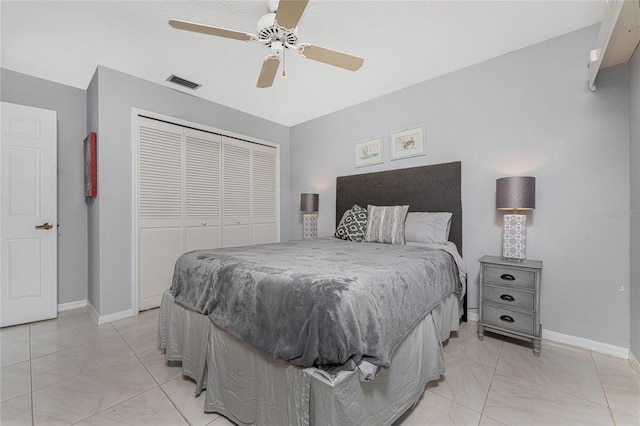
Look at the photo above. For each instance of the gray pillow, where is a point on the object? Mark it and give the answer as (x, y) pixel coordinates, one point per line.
(424, 227)
(353, 224)
(385, 224)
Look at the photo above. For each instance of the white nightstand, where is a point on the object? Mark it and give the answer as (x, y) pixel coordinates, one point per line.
(510, 299)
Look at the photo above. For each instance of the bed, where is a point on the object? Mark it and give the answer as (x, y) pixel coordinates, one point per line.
(351, 351)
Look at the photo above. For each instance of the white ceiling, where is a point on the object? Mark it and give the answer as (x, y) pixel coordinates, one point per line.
(402, 42)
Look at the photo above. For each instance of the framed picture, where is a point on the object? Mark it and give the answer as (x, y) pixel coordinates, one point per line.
(408, 143)
(368, 152)
(90, 166)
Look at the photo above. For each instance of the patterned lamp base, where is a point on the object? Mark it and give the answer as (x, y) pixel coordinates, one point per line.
(309, 225)
(513, 237)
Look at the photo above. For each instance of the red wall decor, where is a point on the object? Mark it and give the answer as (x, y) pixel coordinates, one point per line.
(90, 166)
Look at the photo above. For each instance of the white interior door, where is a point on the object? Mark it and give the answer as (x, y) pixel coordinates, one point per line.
(28, 216)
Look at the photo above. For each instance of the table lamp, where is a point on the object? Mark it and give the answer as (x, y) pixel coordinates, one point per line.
(309, 207)
(515, 193)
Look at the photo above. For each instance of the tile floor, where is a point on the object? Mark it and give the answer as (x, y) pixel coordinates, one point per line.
(73, 371)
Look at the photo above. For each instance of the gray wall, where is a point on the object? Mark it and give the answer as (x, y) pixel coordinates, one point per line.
(70, 104)
(116, 94)
(634, 161)
(527, 113)
(93, 210)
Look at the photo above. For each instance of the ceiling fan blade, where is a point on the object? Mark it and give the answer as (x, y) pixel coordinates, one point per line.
(331, 57)
(206, 29)
(289, 12)
(269, 69)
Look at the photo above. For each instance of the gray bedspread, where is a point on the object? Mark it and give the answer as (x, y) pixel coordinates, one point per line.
(326, 303)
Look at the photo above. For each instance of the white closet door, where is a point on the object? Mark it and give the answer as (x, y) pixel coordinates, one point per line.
(236, 192)
(264, 196)
(202, 192)
(160, 208)
(198, 190)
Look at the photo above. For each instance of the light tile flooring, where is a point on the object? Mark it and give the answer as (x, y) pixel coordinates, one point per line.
(72, 371)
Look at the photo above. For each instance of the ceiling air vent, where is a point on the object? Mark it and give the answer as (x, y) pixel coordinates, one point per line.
(182, 82)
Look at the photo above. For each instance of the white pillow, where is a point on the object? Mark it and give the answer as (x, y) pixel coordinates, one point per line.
(424, 227)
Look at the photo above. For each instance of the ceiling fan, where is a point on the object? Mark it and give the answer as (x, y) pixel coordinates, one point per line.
(278, 31)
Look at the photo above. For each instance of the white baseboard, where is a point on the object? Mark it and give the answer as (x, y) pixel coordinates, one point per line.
(72, 305)
(634, 363)
(93, 311)
(103, 319)
(579, 342)
(592, 345)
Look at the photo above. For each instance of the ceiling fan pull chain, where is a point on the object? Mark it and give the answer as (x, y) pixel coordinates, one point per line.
(284, 73)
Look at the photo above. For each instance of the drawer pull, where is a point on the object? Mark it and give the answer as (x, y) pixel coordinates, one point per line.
(507, 298)
(508, 277)
(506, 318)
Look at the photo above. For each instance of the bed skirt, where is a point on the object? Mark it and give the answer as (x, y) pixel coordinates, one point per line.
(249, 387)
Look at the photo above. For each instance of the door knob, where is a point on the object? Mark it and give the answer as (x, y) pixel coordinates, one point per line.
(47, 225)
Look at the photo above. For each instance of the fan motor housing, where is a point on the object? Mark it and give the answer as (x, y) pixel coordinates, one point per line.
(269, 31)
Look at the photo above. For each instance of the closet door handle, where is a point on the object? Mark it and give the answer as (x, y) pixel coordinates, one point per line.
(507, 277)
(507, 297)
(506, 318)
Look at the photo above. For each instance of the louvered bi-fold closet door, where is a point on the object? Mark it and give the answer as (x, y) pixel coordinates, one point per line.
(202, 191)
(249, 193)
(236, 192)
(160, 207)
(264, 194)
(198, 190)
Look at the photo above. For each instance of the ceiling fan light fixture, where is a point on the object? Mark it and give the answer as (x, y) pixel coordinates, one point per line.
(269, 30)
(276, 47)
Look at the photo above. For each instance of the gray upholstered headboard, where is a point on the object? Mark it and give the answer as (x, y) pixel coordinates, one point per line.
(434, 188)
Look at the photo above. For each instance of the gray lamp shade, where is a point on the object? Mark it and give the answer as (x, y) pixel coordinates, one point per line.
(516, 193)
(309, 202)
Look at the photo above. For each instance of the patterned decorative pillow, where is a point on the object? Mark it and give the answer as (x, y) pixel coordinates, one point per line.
(386, 224)
(353, 224)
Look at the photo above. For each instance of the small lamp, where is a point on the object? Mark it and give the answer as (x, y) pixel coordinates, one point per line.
(515, 193)
(309, 206)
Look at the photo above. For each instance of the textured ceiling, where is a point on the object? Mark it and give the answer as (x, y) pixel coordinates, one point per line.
(402, 42)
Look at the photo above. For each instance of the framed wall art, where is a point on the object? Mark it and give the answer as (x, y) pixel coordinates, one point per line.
(408, 143)
(368, 152)
(90, 166)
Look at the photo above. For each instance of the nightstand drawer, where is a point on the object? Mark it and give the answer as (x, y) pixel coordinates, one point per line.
(508, 297)
(507, 276)
(508, 319)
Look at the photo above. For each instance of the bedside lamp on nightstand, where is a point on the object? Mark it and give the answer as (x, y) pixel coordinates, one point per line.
(309, 206)
(515, 193)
